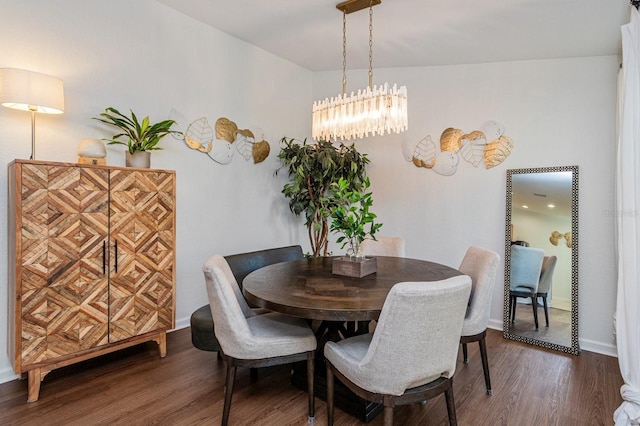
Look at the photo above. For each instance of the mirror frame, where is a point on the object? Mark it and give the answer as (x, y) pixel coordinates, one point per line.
(575, 346)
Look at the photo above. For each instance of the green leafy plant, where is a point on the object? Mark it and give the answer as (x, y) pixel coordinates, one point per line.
(140, 136)
(351, 215)
(312, 169)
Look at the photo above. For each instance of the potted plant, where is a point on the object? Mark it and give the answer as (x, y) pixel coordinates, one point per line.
(351, 216)
(312, 169)
(139, 137)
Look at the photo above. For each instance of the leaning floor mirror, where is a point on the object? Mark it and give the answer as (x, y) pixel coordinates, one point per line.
(541, 257)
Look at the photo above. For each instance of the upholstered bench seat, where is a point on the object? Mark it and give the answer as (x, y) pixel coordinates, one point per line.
(202, 335)
(242, 264)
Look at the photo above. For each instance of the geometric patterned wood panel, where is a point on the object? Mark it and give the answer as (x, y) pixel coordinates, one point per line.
(64, 291)
(62, 257)
(65, 222)
(142, 217)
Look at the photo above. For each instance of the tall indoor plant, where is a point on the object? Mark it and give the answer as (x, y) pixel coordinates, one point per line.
(138, 137)
(312, 168)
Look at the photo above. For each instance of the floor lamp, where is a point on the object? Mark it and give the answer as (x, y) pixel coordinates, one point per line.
(31, 91)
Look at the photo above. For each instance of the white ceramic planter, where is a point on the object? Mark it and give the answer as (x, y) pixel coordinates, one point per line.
(139, 159)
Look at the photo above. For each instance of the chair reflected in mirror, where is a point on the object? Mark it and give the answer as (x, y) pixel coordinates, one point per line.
(546, 279)
(524, 277)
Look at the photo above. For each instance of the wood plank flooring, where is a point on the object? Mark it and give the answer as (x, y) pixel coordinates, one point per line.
(531, 386)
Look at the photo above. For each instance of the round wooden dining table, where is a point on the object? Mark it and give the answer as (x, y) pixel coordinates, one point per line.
(307, 288)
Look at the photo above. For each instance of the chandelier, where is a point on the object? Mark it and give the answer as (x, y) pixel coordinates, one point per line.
(376, 111)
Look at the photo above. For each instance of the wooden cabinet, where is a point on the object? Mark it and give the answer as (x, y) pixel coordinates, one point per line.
(91, 262)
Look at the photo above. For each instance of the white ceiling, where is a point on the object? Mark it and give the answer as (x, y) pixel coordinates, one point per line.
(419, 32)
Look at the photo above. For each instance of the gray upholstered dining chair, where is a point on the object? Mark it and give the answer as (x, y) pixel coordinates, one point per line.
(544, 285)
(411, 355)
(242, 264)
(383, 246)
(481, 265)
(524, 277)
(250, 340)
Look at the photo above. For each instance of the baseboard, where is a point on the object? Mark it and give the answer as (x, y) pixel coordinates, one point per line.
(7, 375)
(585, 344)
(598, 347)
(495, 325)
(182, 323)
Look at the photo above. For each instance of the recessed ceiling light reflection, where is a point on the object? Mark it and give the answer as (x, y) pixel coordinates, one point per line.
(524, 206)
(551, 206)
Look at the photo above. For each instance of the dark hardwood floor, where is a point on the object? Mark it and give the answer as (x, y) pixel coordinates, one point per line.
(531, 386)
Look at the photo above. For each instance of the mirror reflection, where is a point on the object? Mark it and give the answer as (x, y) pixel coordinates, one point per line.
(541, 257)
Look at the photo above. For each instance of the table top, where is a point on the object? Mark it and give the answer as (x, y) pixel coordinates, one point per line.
(307, 288)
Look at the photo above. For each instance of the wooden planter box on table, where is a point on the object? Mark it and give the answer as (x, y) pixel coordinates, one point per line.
(354, 268)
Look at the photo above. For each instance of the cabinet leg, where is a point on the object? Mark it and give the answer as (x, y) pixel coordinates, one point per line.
(161, 340)
(35, 378)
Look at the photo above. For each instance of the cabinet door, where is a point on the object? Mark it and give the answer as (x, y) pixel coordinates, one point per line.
(63, 280)
(141, 295)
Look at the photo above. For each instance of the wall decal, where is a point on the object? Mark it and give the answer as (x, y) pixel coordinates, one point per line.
(557, 236)
(473, 146)
(488, 145)
(424, 154)
(450, 140)
(218, 144)
(199, 135)
(497, 151)
(442, 162)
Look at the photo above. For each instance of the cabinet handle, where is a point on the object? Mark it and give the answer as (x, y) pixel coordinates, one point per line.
(104, 257)
(116, 262)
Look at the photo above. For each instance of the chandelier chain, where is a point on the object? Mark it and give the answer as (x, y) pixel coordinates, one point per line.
(344, 51)
(371, 43)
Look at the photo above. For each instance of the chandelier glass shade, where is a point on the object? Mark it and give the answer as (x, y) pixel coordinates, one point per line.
(371, 111)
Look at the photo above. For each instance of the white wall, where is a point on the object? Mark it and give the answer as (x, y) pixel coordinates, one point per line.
(147, 57)
(142, 55)
(558, 112)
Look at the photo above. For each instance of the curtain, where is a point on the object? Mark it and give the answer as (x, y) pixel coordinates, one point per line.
(628, 224)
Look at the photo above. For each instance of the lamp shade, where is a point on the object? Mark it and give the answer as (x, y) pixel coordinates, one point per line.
(31, 91)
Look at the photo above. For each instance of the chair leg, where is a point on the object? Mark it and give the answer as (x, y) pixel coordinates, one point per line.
(329, 396)
(513, 309)
(485, 364)
(534, 304)
(388, 416)
(228, 392)
(546, 310)
(451, 408)
(310, 375)
(465, 356)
